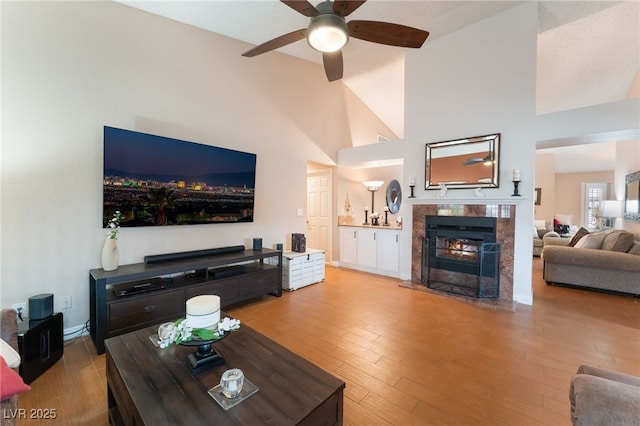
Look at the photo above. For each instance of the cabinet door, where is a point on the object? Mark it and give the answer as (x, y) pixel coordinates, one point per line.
(348, 245)
(259, 283)
(389, 250)
(367, 247)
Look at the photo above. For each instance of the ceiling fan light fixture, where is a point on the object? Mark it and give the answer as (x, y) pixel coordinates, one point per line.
(327, 33)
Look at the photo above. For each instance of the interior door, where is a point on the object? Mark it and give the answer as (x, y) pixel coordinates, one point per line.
(319, 211)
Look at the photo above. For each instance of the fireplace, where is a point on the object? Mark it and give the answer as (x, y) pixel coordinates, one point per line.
(503, 211)
(460, 255)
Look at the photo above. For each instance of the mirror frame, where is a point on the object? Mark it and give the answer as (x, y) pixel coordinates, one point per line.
(632, 189)
(394, 196)
(457, 149)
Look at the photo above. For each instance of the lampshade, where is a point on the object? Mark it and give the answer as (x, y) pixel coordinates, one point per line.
(327, 33)
(611, 208)
(373, 185)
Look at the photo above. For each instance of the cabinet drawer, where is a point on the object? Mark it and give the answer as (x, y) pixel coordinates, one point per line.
(146, 309)
(253, 285)
(227, 290)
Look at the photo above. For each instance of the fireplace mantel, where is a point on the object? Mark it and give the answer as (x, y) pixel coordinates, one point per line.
(469, 200)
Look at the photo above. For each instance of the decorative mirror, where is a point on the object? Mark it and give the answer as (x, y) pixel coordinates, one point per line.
(394, 196)
(632, 197)
(463, 163)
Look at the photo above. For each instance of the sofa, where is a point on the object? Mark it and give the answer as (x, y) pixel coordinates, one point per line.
(606, 260)
(604, 397)
(11, 382)
(542, 230)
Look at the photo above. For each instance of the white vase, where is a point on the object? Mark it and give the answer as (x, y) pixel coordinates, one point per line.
(110, 255)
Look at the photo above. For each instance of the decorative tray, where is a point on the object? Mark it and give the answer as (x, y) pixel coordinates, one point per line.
(248, 389)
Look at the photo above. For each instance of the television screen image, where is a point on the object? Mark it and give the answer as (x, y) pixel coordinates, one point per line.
(158, 181)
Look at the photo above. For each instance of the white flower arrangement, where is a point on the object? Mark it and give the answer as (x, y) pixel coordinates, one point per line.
(375, 215)
(114, 225)
(180, 331)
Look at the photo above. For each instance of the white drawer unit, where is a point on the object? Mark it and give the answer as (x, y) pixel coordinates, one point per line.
(302, 269)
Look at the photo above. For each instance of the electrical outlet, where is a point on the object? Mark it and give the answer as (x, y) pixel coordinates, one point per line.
(67, 302)
(21, 308)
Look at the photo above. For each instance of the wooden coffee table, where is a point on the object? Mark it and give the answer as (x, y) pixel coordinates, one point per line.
(152, 386)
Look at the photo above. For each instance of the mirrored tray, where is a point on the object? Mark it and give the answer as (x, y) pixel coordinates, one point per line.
(248, 389)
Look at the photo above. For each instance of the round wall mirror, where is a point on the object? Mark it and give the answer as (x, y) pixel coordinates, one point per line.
(394, 196)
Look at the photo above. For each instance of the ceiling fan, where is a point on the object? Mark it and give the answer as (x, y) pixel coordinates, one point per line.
(487, 160)
(328, 32)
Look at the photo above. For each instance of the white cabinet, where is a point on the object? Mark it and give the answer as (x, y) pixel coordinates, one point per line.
(370, 249)
(348, 238)
(388, 258)
(302, 269)
(367, 247)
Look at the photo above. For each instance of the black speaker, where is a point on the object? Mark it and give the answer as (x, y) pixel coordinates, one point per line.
(41, 344)
(171, 257)
(40, 306)
(257, 244)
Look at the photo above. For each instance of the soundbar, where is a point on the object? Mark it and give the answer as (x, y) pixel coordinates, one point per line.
(136, 287)
(170, 257)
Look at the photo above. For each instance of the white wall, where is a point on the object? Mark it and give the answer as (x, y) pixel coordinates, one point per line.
(69, 68)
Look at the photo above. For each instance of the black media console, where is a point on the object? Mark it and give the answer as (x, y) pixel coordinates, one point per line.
(234, 276)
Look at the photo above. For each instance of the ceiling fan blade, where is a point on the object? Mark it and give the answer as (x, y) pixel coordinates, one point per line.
(472, 161)
(276, 43)
(333, 65)
(387, 33)
(344, 8)
(302, 6)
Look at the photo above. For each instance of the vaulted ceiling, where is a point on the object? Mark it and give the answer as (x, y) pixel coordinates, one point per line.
(588, 51)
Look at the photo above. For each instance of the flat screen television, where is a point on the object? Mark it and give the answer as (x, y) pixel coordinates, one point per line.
(159, 181)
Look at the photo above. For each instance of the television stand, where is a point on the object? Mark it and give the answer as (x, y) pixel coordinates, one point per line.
(235, 277)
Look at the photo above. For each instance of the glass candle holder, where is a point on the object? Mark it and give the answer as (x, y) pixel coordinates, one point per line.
(231, 382)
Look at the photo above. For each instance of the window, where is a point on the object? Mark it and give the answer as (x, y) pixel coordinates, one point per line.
(594, 195)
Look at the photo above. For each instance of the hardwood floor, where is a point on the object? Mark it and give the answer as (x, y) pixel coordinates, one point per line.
(409, 357)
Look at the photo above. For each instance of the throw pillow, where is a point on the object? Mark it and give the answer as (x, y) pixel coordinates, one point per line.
(563, 219)
(540, 224)
(635, 248)
(576, 237)
(591, 241)
(618, 241)
(10, 382)
(9, 354)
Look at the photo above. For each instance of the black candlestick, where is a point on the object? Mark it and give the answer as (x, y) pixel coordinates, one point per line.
(386, 220)
(515, 188)
(411, 187)
(366, 217)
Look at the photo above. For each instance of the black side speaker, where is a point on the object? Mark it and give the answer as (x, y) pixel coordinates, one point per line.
(41, 344)
(40, 306)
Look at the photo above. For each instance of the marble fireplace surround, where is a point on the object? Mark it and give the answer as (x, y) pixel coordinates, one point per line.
(505, 213)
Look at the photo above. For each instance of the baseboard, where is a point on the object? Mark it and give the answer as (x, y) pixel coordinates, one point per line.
(73, 332)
